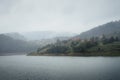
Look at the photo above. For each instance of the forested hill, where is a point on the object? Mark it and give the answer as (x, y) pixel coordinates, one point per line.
(108, 29)
(100, 41)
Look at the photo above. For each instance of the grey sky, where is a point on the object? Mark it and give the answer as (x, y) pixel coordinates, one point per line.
(56, 15)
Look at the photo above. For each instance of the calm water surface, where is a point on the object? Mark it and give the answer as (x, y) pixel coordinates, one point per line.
(59, 68)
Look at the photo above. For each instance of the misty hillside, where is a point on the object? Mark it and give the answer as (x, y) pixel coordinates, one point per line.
(111, 28)
(103, 41)
(15, 35)
(17, 42)
(39, 35)
(9, 44)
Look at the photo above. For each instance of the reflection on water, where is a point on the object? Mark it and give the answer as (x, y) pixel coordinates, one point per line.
(59, 68)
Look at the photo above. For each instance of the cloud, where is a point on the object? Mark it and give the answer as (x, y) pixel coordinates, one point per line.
(56, 15)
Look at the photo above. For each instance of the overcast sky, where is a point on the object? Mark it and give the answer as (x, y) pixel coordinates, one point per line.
(56, 15)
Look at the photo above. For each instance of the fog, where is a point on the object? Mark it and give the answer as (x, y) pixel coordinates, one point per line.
(56, 15)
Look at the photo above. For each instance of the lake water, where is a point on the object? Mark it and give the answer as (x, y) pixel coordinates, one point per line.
(59, 68)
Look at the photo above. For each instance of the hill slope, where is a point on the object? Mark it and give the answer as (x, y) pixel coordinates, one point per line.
(111, 28)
